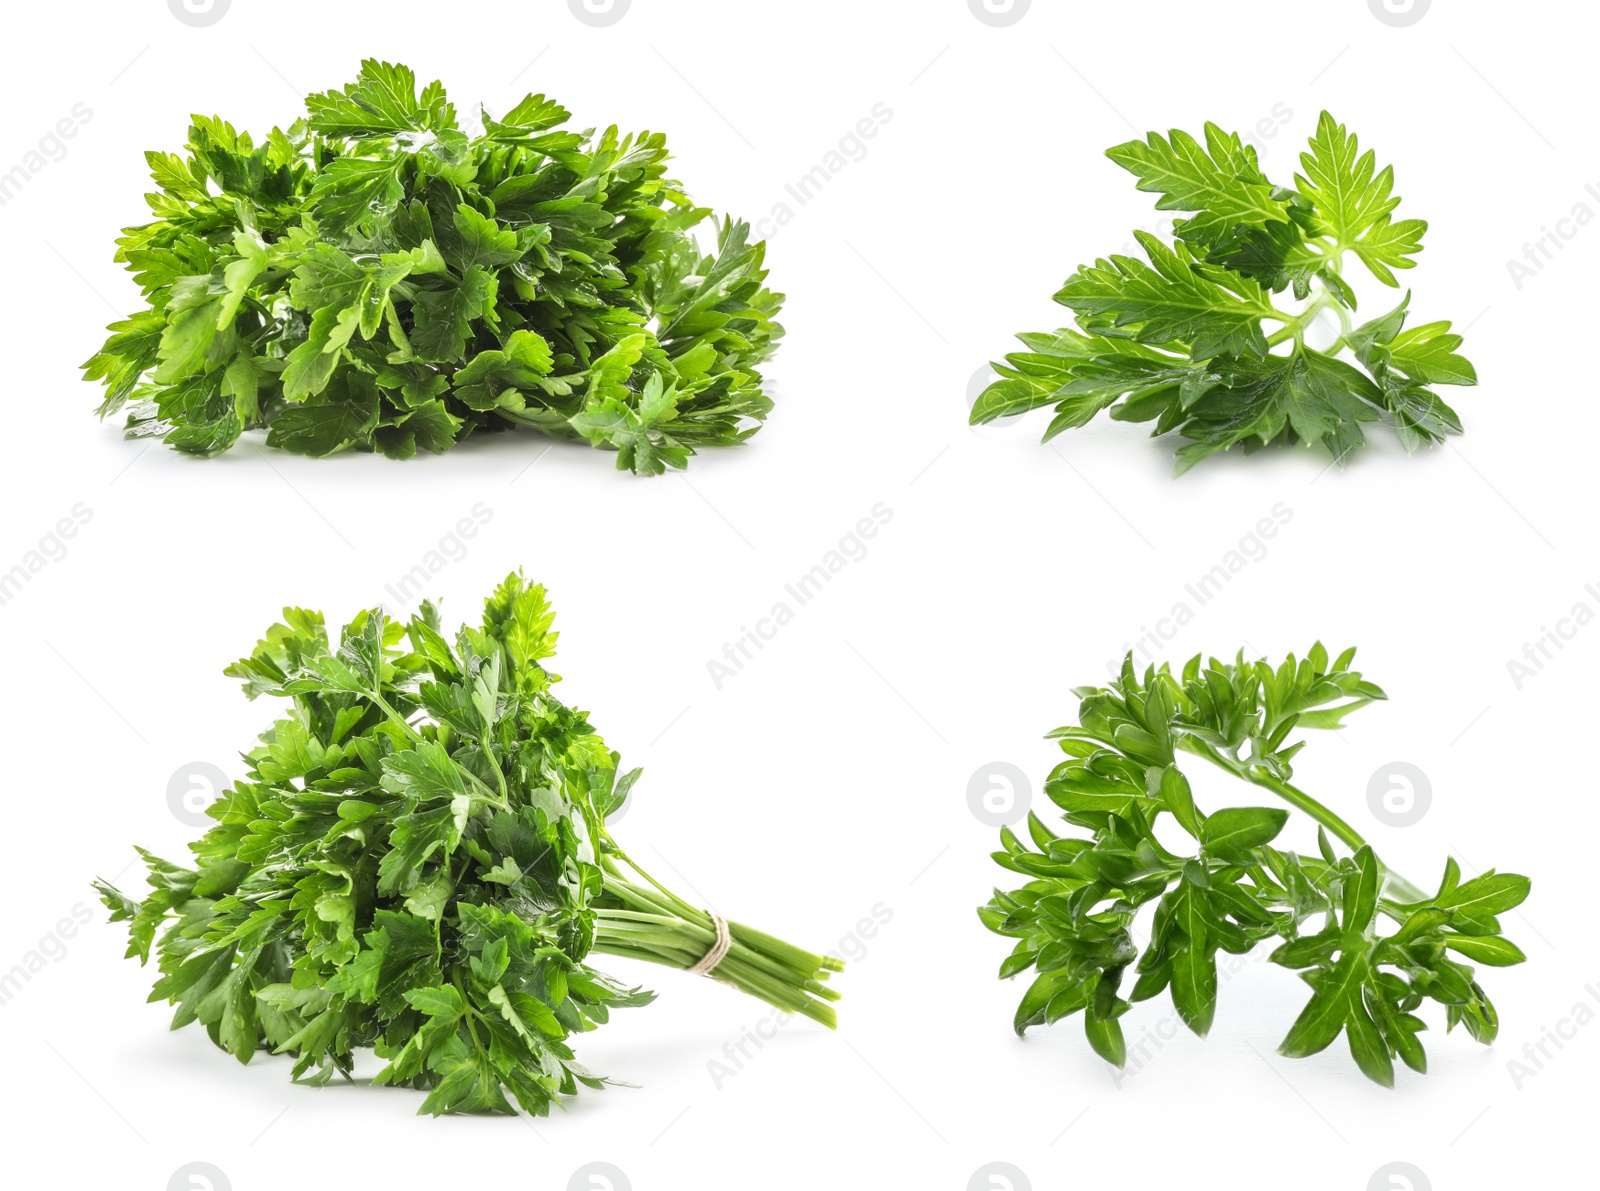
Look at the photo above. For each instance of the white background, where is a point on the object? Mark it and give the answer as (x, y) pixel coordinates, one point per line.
(829, 777)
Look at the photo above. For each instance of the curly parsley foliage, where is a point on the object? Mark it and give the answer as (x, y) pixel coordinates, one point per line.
(375, 277)
(1230, 888)
(1182, 338)
(418, 862)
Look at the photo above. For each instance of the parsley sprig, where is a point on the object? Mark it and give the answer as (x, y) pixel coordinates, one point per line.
(376, 277)
(1226, 887)
(418, 861)
(1194, 338)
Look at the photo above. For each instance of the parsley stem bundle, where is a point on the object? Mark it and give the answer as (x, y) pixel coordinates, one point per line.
(659, 927)
(418, 862)
(375, 277)
(1232, 889)
(1181, 339)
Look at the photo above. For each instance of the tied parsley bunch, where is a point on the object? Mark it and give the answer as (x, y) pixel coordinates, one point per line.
(418, 862)
(1195, 339)
(1371, 946)
(378, 278)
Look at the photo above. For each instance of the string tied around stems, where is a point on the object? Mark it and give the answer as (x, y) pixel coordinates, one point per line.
(719, 949)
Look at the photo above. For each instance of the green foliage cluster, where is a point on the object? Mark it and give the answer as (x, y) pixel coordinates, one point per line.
(1232, 889)
(378, 278)
(417, 861)
(1182, 339)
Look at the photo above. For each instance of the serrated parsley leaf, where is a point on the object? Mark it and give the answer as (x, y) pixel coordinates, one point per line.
(1170, 300)
(382, 101)
(1220, 181)
(1318, 398)
(1347, 196)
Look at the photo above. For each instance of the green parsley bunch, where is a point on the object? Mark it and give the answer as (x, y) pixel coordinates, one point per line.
(418, 862)
(1230, 889)
(1183, 341)
(376, 277)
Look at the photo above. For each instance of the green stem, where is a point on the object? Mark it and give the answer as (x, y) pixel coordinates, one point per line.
(1295, 325)
(656, 926)
(405, 725)
(1403, 889)
(673, 899)
(1297, 797)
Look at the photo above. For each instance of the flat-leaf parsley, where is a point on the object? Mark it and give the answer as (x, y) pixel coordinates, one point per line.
(378, 278)
(1193, 339)
(418, 861)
